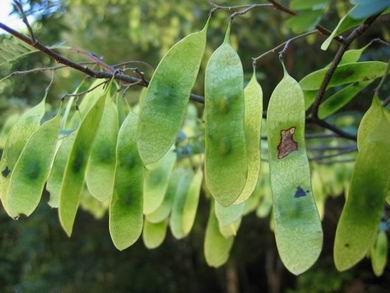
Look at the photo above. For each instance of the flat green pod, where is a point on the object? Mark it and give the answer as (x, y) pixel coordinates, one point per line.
(378, 253)
(176, 222)
(7, 127)
(216, 246)
(341, 98)
(126, 209)
(253, 201)
(346, 73)
(265, 204)
(230, 229)
(165, 208)
(91, 205)
(154, 234)
(364, 205)
(32, 169)
(192, 201)
(20, 133)
(168, 92)
(253, 118)
(57, 171)
(229, 215)
(122, 108)
(100, 173)
(226, 166)
(73, 179)
(156, 181)
(298, 230)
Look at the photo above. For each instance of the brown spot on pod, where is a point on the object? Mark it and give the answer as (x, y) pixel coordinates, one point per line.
(287, 143)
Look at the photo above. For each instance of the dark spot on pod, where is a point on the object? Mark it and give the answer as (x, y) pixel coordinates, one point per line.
(127, 161)
(156, 178)
(32, 170)
(5, 172)
(78, 161)
(225, 147)
(126, 199)
(223, 105)
(300, 192)
(287, 143)
(105, 153)
(346, 245)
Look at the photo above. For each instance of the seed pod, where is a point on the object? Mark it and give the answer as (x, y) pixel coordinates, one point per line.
(168, 92)
(176, 220)
(156, 181)
(91, 205)
(378, 253)
(73, 180)
(165, 208)
(226, 166)
(100, 173)
(10, 121)
(216, 246)
(192, 201)
(154, 234)
(32, 169)
(298, 229)
(125, 215)
(20, 133)
(361, 214)
(253, 118)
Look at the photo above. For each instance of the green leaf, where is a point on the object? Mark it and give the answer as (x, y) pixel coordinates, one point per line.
(341, 98)
(344, 74)
(305, 21)
(344, 24)
(364, 9)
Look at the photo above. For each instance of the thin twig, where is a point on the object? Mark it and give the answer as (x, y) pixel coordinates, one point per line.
(386, 101)
(84, 92)
(284, 44)
(50, 84)
(380, 84)
(19, 7)
(247, 9)
(328, 156)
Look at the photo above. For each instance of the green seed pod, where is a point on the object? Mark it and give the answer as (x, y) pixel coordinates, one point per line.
(226, 166)
(346, 73)
(20, 133)
(125, 215)
(156, 181)
(73, 180)
(91, 205)
(192, 201)
(228, 215)
(378, 254)
(298, 229)
(231, 229)
(168, 92)
(216, 246)
(165, 208)
(100, 173)
(7, 127)
(361, 214)
(253, 201)
(253, 118)
(154, 234)
(176, 220)
(31, 170)
(58, 169)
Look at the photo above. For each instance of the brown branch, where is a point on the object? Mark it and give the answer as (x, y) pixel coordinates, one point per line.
(329, 74)
(20, 9)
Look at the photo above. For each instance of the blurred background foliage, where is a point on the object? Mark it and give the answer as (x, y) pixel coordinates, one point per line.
(35, 254)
